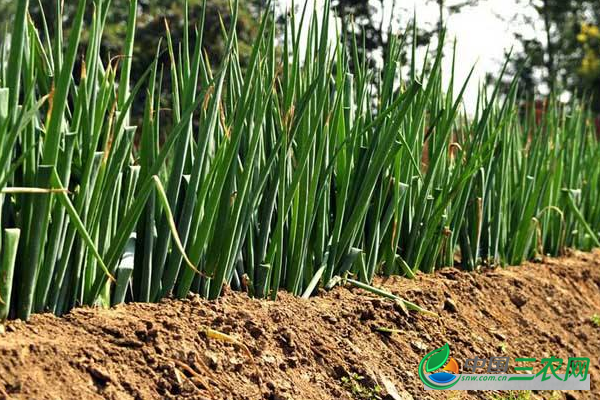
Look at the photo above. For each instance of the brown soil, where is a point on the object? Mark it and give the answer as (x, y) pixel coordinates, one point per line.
(324, 348)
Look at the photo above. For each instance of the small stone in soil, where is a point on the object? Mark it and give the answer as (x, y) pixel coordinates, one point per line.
(517, 299)
(99, 374)
(418, 345)
(450, 305)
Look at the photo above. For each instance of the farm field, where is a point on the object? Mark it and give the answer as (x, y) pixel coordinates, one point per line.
(327, 347)
(238, 200)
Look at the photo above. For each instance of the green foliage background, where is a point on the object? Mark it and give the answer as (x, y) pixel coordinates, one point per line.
(152, 15)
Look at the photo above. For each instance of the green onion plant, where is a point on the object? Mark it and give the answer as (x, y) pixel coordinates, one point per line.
(302, 169)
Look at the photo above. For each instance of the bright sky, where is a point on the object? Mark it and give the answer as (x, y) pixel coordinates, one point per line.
(483, 33)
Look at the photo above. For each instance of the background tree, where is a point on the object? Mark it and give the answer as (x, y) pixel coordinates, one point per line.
(370, 20)
(359, 17)
(563, 56)
(151, 18)
(151, 24)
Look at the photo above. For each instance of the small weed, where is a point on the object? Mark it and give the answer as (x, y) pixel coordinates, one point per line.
(595, 319)
(555, 396)
(503, 347)
(513, 395)
(354, 384)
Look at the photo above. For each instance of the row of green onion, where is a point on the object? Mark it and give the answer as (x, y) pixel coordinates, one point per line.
(295, 171)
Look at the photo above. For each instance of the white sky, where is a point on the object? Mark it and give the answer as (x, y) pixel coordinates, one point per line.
(483, 33)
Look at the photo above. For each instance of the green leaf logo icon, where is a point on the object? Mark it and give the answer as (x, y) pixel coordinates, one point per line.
(437, 358)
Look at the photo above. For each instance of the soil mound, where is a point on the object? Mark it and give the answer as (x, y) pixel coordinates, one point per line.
(345, 344)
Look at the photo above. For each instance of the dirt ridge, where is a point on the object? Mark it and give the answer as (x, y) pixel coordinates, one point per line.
(329, 347)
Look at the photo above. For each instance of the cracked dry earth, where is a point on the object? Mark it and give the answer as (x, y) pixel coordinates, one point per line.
(329, 347)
